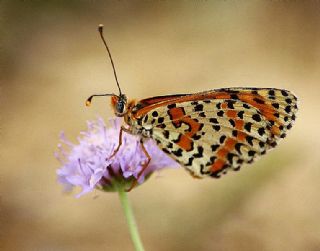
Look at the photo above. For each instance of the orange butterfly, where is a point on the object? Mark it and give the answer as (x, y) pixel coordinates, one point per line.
(208, 132)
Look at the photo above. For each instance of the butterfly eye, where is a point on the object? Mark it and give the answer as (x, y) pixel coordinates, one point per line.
(120, 105)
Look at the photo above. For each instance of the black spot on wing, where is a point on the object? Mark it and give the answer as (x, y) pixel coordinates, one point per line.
(232, 123)
(198, 108)
(178, 152)
(271, 92)
(262, 144)
(246, 106)
(238, 147)
(211, 161)
(249, 139)
(222, 139)
(288, 109)
(240, 114)
(234, 96)
(171, 106)
(284, 93)
(289, 101)
(190, 160)
(160, 120)
(230, 157)
(166, 150)
(261, 131)
(256, 117)
(196, 136)
(216, 127)
(220, 113)
(214, 147)
(202, 170)
(214, 120)
(258, 100)
(170, 145)
(166, 134)
(230, 104)
(178, 139)
(251, 153)
(199, 154)
(235, 133)
(247, 126)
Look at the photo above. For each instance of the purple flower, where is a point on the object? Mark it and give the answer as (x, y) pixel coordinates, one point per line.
(87, 164)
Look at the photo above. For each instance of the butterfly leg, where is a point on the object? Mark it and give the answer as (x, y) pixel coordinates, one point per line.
(144, 166)
(122, 129)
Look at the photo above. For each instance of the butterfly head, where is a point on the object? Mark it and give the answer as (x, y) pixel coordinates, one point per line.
(119, 104)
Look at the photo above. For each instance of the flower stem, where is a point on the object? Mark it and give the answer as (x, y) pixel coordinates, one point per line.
(130, 219)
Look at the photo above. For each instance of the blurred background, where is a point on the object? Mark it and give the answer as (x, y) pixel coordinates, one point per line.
(53, 59)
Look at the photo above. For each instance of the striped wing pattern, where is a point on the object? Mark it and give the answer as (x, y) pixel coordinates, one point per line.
(211, 132)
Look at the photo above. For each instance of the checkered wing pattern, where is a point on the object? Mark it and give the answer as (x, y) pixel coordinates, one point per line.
(212, 132)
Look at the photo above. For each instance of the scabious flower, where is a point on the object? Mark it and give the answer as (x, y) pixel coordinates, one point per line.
(88, 164)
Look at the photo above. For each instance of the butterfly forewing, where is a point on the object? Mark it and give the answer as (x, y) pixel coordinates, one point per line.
(211, 132)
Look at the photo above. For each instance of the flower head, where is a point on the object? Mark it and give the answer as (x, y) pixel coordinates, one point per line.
(88, 163)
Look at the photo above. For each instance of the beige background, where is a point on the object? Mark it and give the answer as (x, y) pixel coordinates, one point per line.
(53, 60)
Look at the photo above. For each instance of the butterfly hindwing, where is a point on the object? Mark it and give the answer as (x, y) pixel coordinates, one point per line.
(211, 132)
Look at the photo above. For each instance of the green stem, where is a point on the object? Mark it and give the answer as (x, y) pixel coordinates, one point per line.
(130, 219)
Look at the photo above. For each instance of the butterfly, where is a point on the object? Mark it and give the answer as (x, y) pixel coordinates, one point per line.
(208, 132)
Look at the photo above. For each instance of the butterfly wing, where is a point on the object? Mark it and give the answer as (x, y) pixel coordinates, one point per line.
(211, 132)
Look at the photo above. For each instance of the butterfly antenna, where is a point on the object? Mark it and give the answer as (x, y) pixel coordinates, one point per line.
(100, 29)
(89, 100)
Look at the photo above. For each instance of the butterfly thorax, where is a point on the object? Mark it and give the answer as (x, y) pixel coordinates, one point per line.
(135, 124)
